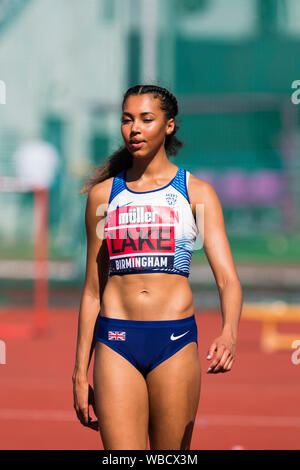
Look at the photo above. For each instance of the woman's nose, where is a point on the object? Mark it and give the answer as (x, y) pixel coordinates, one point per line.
(135, 126)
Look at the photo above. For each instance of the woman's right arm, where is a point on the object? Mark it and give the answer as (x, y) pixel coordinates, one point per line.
(95, 280)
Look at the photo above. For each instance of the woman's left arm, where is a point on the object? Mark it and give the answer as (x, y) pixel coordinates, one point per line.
(210, 222)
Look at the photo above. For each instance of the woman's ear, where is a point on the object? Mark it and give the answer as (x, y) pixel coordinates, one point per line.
(170, 126)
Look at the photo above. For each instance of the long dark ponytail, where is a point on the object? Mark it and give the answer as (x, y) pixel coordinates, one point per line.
(122, 159)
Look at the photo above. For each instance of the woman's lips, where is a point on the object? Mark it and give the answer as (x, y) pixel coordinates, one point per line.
(136, 145)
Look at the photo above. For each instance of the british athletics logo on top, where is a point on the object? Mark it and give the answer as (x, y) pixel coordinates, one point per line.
(141, 237)
(117, 335)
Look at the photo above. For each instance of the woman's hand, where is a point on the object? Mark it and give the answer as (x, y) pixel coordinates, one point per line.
(83, 397)
(222, 352)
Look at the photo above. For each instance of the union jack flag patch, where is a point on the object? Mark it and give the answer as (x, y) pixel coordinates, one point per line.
(117, 335)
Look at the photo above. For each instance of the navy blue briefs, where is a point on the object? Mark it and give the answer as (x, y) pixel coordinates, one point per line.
(145, 344)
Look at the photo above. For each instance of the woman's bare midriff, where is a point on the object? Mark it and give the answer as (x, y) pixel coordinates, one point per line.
(147, 297)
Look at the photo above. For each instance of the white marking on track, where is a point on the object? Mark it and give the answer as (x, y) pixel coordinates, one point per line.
(201, 421)
(37, 415)
(248, 421)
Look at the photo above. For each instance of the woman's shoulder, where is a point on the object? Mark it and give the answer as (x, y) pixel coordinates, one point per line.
(200, 189)
(199, 183)
(100, 192)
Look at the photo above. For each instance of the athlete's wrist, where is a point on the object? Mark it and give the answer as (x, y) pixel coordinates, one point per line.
(230, 329)
(79, 376)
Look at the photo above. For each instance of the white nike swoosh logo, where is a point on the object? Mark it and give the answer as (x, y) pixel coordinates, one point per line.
(173, 338)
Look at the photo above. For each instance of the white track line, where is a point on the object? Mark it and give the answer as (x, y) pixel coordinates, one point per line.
(39, 383)
(201, 421)
(36, 384)
(37, 415)
(248, 421)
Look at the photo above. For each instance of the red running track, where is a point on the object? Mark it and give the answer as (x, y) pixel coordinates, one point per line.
(254, 406)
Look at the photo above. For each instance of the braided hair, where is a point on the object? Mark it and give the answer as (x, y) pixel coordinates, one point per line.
(122, 159)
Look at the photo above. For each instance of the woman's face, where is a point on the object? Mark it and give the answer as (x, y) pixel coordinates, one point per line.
(143, 125)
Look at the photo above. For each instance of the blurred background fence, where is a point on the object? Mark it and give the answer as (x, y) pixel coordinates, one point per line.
(64, 67)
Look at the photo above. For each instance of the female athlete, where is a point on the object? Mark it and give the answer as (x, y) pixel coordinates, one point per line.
(137, 309)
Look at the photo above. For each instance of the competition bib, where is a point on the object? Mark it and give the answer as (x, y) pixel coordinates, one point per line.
(141, 237)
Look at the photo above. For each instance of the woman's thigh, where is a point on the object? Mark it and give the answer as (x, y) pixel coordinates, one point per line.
(174, 392)
(121, 401)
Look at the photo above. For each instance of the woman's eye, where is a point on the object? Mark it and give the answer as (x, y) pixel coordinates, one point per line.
(127, 120)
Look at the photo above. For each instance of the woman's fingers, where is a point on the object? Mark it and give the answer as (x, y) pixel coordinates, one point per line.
(223, 356)
(86, 420)
(77, 409)
(82, 410)
(93, 425)
(228, 365)
(82, 415)
(211, 350)
(217, 357)
(91, 399)
(80, 393)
